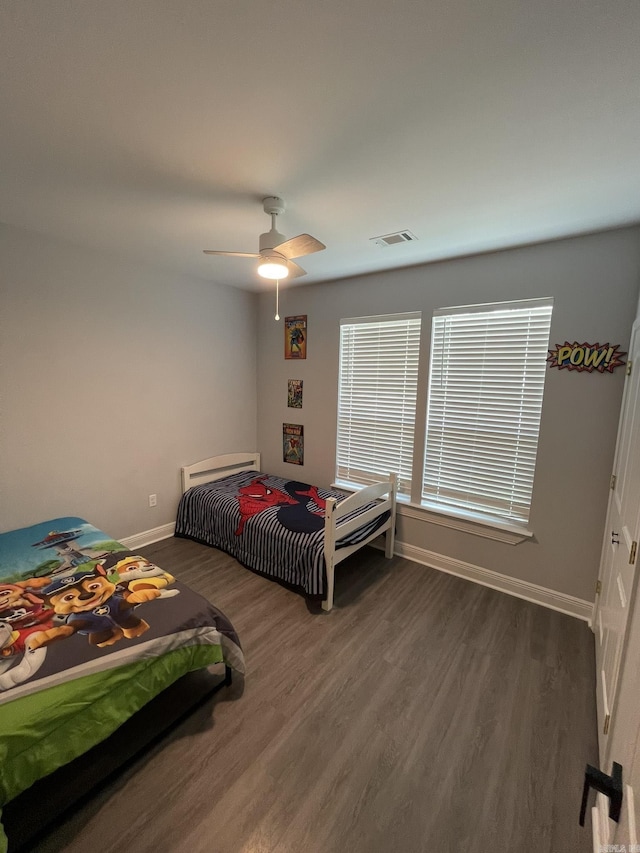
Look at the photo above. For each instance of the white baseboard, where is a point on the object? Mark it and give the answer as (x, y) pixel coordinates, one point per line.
(148, 537)
(550, 598)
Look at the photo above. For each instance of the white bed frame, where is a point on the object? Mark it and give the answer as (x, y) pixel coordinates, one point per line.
(384, 494)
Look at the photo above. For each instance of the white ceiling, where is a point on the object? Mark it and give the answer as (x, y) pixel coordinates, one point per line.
(153, 128)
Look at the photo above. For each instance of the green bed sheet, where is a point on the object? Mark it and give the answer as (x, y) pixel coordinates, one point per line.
(80, 714)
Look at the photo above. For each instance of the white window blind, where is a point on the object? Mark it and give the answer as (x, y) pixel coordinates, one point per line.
(488, 366)
(377, 382)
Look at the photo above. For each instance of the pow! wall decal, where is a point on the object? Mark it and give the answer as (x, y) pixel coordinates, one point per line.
(601, 357)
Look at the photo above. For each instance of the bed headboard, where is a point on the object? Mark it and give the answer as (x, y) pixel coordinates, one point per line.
(216, 467)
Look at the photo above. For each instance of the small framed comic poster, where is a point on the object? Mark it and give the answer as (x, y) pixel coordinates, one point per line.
(294, 393)
(295, 336)
(293, 443)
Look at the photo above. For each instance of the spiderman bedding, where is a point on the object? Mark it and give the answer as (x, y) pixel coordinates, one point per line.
(269, 524)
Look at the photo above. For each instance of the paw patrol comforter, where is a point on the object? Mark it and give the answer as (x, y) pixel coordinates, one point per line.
(89, 632)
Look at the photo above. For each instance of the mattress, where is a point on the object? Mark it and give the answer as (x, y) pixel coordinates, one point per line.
(89, 633)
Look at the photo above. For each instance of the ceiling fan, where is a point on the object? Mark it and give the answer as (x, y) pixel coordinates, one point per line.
(276, 253)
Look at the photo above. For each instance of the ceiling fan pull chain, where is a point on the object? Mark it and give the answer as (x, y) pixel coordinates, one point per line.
(277, 317)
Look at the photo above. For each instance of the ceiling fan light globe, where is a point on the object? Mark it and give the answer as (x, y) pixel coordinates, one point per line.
(273, 269)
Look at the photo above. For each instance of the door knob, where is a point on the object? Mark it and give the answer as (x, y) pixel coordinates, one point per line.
(610, 786)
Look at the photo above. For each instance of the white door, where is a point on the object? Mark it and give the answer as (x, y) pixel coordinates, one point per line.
(624, 748)
(618, 564)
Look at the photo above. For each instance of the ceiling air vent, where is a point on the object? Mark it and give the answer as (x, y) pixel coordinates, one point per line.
(393, 239)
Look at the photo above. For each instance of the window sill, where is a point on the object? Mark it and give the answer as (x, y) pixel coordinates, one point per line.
(466, 522)
(511, 534)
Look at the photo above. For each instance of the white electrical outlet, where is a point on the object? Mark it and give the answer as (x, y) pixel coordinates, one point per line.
(153, 500)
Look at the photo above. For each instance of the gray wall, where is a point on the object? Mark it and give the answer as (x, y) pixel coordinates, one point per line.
(112, 376)
(594, 281)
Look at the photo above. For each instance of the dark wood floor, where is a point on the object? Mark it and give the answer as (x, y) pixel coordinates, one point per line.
(425, 713)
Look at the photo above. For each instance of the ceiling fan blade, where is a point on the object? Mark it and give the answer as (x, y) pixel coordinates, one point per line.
(231, 254)
(298, 247)
(295, 270)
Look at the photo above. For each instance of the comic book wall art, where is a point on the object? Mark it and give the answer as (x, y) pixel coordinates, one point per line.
(293, 443)
(295, 336)
(586, 357)
(294, 393)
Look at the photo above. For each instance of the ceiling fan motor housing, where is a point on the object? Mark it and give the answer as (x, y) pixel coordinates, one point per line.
(270, 239)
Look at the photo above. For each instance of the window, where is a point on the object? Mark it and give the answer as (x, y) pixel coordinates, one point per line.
(378, 381)
(486, 381)
(484, 401)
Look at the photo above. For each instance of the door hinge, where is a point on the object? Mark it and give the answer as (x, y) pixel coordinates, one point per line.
(598, 587)
(605, 728)
(612, 484)
(632, 553)
(628, 370)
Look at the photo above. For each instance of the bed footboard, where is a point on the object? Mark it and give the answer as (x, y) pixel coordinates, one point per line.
(385, 496)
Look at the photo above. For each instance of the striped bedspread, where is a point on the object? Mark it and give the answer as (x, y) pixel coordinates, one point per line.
(272, 525)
